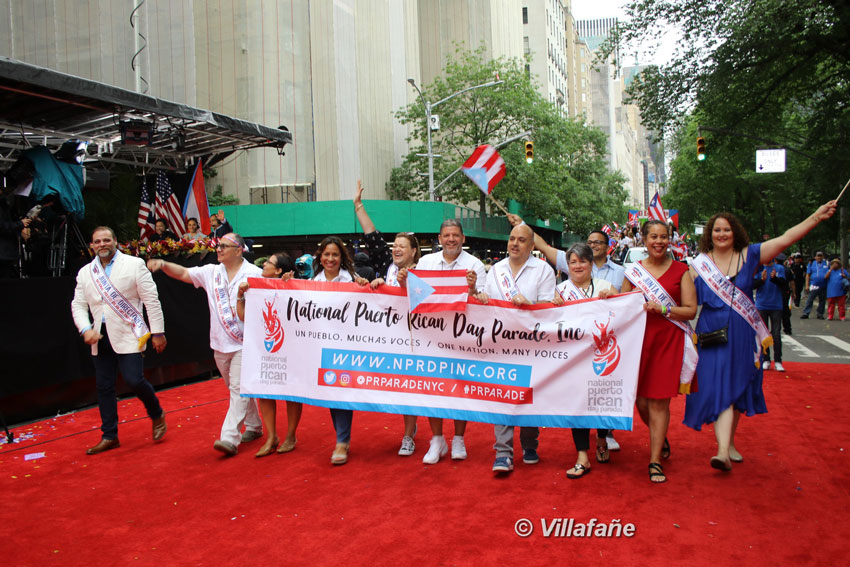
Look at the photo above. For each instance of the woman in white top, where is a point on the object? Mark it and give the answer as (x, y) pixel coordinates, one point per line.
(194, 230)
(582, 285)
(390, 263)
(333, 263)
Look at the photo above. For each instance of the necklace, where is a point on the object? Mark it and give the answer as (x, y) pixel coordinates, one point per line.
(588, 291)
(729, 267)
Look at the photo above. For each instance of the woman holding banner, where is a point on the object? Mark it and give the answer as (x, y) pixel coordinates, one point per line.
(391, 263)
(579, 286)
(669, 355)
(279, 266)
(731, 332)
(333, 263)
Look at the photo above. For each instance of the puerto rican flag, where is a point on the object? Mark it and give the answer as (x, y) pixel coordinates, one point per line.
(146, 216)
(485, 167)
(431, 291)
(634, 218)
(167, 206)
(195, 204)
(656, 210)
(607, 230)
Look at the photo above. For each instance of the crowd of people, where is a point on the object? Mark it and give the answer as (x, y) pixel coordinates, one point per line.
(720, 367)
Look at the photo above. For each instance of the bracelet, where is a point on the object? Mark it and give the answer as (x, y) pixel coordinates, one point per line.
(664, 310)
(358, 207)
(241, 299)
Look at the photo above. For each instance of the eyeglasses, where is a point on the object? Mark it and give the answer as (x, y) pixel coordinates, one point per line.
(270, 263)
(597, 242)
(223, 246)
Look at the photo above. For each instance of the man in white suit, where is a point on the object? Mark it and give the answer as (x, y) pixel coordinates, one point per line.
(113, 287)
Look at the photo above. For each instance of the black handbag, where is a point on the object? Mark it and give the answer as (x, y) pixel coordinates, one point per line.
(713, 338)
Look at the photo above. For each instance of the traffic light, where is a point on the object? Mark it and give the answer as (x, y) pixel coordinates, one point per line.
(700, 148)
(529, 151)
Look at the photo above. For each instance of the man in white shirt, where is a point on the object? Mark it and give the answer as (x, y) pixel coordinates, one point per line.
(451, 257)
(221, 282)
(603, 268)
(521, 279)
(113, 287)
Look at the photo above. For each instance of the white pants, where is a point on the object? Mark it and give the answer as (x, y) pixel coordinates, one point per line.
(241, 410)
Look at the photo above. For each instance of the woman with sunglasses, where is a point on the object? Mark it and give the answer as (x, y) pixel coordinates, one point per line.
(392, 262)
(279, 266)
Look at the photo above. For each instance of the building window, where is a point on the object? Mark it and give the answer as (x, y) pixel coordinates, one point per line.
(524, 15)
(525, 46)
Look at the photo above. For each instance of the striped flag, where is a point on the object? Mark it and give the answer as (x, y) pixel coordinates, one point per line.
(607, 230)
(146, 217)
(167, 206)
(431, 291)
(656, 209)
(195, 204)
(616, 226)
(485, 167)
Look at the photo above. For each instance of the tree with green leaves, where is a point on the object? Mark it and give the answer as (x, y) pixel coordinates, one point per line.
(748, 75)
(569, 174)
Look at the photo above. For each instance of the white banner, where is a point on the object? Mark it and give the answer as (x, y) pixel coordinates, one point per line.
(344, 346)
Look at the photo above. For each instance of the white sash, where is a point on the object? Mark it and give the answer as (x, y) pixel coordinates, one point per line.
(569, 291)
(723, 288)
(507, 283)
(118, 303)
(655, 292)
(392, 276)
(221, 297)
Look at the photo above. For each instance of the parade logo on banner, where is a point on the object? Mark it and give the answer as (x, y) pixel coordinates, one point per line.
(356, 348)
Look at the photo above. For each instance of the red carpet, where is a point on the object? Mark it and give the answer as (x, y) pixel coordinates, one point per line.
(181, 503)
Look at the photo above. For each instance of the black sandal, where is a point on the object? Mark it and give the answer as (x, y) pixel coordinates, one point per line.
(602, 454)
(665, 450)
(581, 471)
(655, 472)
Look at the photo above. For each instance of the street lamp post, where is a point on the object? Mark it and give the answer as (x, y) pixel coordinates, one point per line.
(428, 108)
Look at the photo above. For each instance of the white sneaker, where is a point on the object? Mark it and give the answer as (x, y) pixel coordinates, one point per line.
(407, 446)
(765, 365)
(778, 367)
(437, 449)
(612, 443)
(458, 448)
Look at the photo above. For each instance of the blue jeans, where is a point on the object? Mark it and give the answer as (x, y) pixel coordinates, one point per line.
(342, 424)
(106, 366)
(821, 294)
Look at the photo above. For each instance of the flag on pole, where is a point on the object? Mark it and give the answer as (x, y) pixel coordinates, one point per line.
(656, 210)
(431, 291)
(616, 226)
(146, 217)
(485, 167)
(607, 230)
(167, 206)
(196, 204)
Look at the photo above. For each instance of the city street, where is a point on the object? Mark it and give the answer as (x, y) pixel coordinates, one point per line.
(813, 340)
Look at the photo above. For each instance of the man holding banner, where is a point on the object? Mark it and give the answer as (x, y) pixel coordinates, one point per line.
(520, 279)
(221, 282)
(451, 257)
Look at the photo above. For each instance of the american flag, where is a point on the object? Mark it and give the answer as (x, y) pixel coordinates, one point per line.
(656, 209)
(167, 206)
(146, 217)
(431, 291)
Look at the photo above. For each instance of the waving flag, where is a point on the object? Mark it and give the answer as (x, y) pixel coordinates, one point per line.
(146, 216)
(485, 167)
(167, 207)
(656, 210)
(195, 204)
(607, 230)
(430, 291)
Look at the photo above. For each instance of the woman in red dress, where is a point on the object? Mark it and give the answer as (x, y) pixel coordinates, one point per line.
(663, 342)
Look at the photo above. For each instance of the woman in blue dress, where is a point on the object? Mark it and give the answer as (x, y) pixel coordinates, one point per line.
(730, 378)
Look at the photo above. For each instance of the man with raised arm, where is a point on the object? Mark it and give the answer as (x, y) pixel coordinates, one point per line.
(221, 282)
(520, 279)
(113, 287)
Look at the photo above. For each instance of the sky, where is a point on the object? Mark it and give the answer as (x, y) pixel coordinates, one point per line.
(594, 9)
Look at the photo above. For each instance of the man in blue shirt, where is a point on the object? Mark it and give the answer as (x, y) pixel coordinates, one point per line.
(816, 285)
(770, 283)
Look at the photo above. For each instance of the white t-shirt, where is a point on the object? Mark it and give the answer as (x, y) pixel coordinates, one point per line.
(342, 277)
(464, 261)
(204, 276)
(535, 280)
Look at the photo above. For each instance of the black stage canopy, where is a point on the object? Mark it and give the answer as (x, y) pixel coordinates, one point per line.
(40, 106)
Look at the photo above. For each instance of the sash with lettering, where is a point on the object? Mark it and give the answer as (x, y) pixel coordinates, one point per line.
(507, 283)
(221, 296)
(392, 276)
(655, 292)
(723, 288)
(122, 306)
(569, 291)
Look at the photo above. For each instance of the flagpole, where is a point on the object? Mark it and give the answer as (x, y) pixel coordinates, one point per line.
(498, 204)
(842, 191)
